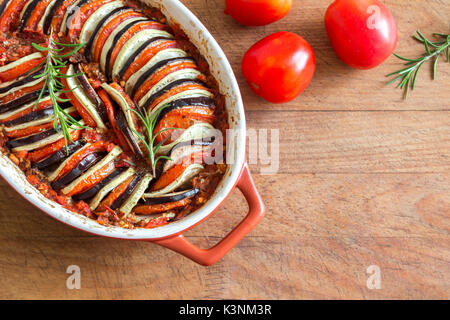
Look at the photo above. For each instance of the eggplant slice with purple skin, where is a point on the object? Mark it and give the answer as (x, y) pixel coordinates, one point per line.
(4, 5)
(89, 44)
(26, 80)
(26, 13)
(49, 17)
(20, 101)
(128, 191)
(171, 197)
(95, 189)
(92, 94)
(59, 155)
(125, 119)
(83, 98)
(82, 166)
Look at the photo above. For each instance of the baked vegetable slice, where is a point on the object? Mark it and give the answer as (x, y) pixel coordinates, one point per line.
(59, 155)
(14, 70)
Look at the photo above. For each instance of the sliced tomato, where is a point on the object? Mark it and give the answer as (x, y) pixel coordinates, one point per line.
(21, 92)
(112, 119)
(89, 121)
(116, 193)
(11, 15)
(108, 29)
(36, 15)
(19, 70)
(159, 208)
(77, 157)
(174, 91)
(41, 105)
(160, 74)
(93, 179)
(182, 118)
(59, 14)
(174, 172)
(129, 34)
(146, 55)
(81, 16)
(31, 130)
(48, 150)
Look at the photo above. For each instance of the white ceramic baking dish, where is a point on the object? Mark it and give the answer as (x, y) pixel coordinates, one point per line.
(238, 174)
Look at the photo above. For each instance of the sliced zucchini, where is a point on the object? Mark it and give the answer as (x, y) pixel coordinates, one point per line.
(137, 193)
(171, 197)
(91, 24)
(116, 151)
(38, 140)
(197, 131)
(158, 60)
(59, 155)
(93, 204)
(112, 40)
(83, 98)
(38, 121)
(181, 181)
(192, 93)
(85, 164)
(47, 11)
(20, 61)
(132, 47)
(52, 176)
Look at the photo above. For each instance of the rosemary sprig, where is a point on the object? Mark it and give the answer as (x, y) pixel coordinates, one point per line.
(433, 50)
(51, 74)
(150, 120)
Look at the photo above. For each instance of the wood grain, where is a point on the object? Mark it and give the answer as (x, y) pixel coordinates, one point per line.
(363, 180)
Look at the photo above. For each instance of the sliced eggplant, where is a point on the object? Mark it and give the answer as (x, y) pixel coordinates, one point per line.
(204, 97)
(52, 176)
(47, 11)
(160, 60)
(197, 131)
(24, 81)
(177, 83)
(93, 204)
(92, 95)
(128, 191)
(4, 5)
(70, 14)
(132, 46)
(58, 155)
(187, 73)
(113, 38)
(50, 14)
(133, 199)
(89, 161)
(171, 197)
(132, 57)
(83, 98)
(100, 24)
(20, 61)
(91, 24)
(181, 181)
(130, 136)
(38, 140)
(116, 151)
(20, 101)
(184, 149)
(26, 13)
(118, 98)
(38, 121)
(93, 191)
(6, 115)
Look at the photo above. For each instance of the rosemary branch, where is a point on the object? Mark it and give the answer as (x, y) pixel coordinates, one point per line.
(433, 50)
(51, 74)
(149, 121)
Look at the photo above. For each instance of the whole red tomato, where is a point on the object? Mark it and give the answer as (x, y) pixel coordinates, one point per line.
(257, 12)
(363, 33)
(279, 67)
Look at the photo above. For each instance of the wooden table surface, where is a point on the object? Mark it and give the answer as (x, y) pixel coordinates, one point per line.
(363, 180)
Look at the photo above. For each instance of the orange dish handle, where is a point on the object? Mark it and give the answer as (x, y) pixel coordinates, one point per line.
(210, 256)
